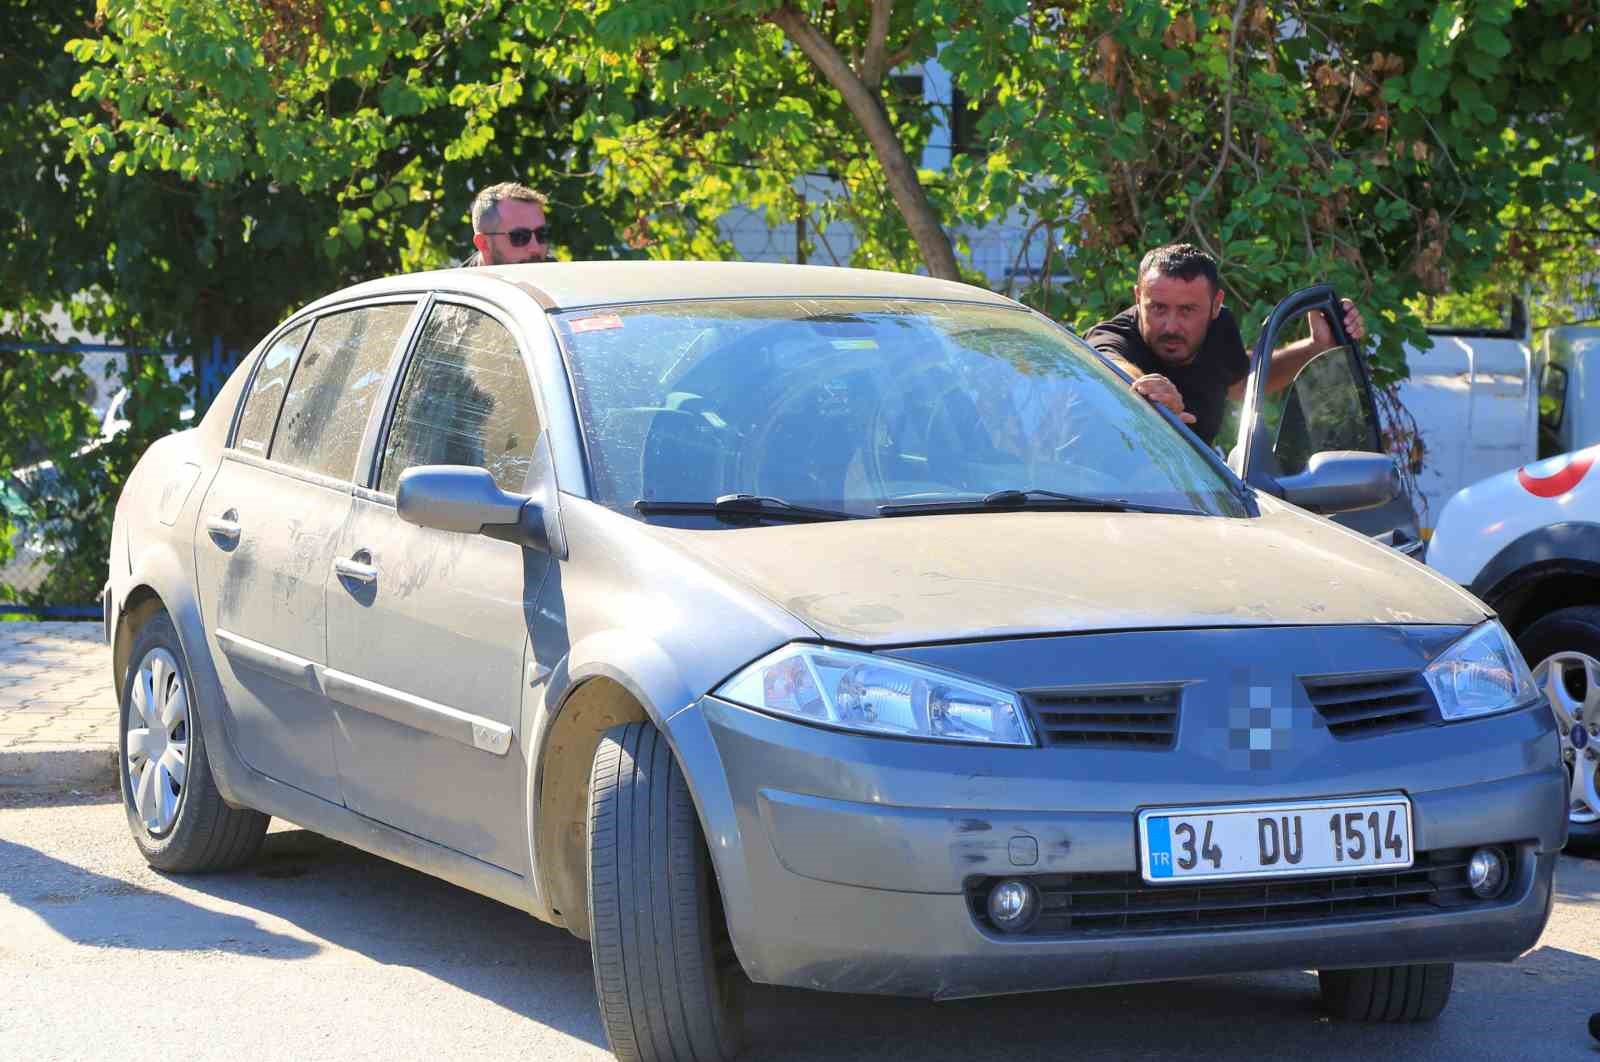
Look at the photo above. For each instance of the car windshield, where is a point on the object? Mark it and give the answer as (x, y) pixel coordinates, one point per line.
(847, 405)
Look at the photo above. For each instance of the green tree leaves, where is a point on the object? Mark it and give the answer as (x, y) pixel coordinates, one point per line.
(177, 169)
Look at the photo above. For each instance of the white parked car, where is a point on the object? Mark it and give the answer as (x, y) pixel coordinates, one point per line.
(1527, 542)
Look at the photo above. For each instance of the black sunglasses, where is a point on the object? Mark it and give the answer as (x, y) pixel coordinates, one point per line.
(520, 237)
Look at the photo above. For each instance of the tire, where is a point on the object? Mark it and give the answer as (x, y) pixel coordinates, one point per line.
(182, 824)
(1569, 640)
(1388, 993)
(662, 970)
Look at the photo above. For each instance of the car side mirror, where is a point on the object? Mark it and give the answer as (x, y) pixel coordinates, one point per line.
(467, 499)
(1339, 481)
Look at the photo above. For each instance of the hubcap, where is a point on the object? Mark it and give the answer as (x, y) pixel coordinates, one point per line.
(157, 746)
(1572, 683)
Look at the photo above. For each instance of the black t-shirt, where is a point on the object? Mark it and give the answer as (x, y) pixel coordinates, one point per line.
(1220, 363)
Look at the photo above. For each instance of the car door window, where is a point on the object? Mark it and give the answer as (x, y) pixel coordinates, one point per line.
(465, 400)
(334, 384)
(1323, 409)
(1552, 395)
(261, 405)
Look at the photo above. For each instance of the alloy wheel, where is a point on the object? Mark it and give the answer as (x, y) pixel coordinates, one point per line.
(1571, 681)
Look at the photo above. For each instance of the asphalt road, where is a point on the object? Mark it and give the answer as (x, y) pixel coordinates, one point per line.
(320, 951)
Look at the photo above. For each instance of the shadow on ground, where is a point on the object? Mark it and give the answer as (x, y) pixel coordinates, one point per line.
(398, 916)
(1578, 880)
(395, 915)
(327, 895)
(38, 796)
(98, 911)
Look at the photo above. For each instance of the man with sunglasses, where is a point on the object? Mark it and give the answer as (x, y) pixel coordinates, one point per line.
(508, 226)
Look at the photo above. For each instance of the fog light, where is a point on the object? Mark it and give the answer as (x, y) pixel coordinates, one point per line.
(1012, 905)
(1486, 873)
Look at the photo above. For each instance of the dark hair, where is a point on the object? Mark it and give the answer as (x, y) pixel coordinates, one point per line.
(1184, 261)
(486, 206)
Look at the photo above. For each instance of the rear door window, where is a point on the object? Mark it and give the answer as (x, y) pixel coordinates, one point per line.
(261, 405)
(339, 375)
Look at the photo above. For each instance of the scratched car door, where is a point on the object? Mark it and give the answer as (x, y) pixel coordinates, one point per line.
(268, 528)
(428, 629)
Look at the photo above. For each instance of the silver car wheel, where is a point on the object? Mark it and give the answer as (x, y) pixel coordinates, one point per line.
(156, 750)
(1571, 682)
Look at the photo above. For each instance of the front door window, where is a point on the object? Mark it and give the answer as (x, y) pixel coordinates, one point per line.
(466, 400)
(1323, 409)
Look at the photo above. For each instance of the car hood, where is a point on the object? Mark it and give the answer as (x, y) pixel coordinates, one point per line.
(954, 577)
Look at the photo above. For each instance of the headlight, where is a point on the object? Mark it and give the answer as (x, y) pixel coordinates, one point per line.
(859, 691)
(1482, 673)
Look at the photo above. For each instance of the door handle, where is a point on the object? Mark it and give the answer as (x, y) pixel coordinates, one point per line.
(355, 568)
(225, 526)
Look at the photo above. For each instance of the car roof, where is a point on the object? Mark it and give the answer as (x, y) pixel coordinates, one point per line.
(571, 285)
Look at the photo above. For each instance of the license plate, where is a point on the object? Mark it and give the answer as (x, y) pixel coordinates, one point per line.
(1275, 840)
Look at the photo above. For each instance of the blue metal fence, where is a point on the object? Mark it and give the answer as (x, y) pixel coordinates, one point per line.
(211, 369)
(54, 612)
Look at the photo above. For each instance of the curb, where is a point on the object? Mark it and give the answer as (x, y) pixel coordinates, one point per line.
(58, 765)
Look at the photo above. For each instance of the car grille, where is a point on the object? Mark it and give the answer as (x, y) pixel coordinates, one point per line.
(1146, 717)
(1363, 705)
(1118, 904)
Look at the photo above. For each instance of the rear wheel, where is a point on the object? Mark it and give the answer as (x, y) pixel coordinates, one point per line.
(1564, 650)
(662, 968)
(179, 820)
(1388, 993)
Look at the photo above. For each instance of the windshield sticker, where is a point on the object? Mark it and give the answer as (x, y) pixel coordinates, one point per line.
(1557, 476)
(600, 322)
(854, 344)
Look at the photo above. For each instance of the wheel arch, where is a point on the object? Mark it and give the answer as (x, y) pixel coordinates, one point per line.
(1543, 571)
(606, 680)
(560, 823)
(141, 604)
(161, 580)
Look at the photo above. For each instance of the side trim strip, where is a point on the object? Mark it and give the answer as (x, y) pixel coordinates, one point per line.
(275, 663)
(441, 720)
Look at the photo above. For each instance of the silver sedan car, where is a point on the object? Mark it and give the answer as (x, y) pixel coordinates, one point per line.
(837, 629)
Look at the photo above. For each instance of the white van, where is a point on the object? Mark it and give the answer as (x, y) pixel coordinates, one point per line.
(1476, 405)
(1569, 394)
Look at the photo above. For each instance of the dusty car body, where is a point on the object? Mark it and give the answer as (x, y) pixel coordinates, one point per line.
(718, 637)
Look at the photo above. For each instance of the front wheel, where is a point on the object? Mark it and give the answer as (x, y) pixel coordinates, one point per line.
(1564, 650)
(1388, 993)
(663, 969)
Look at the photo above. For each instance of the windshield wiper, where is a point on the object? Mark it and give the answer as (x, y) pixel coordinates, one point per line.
(744, 506)
(1002, 500)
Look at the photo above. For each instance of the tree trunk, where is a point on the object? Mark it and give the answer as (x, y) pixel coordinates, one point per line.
(908, 193)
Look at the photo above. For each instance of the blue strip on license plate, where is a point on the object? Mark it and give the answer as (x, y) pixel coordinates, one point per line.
(1160, 841)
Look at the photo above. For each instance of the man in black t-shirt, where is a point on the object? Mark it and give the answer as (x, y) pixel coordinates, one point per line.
(1184, 349)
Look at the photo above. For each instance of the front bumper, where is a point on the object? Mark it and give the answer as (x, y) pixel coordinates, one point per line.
(844, 861)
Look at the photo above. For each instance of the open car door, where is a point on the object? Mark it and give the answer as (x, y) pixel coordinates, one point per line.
(1316, 443)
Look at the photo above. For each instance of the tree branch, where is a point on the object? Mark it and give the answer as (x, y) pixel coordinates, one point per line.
(1238, 153)
(932, 241)
(872, 61)
(1022, 249)
(1227, 110)
(1587, 232)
